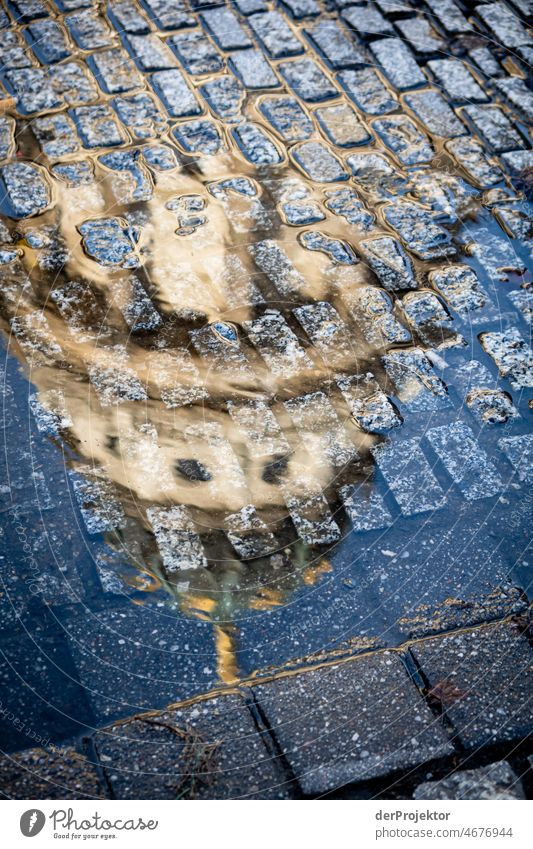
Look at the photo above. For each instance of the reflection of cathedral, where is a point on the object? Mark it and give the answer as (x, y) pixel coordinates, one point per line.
(210, 392)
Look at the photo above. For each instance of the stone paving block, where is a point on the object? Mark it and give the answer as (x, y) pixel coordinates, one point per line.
(115, 73)
(342, 126)
(287, 117)
(483, 679)
(503, 24)
(176, 95)
(127, 17)
(318, 162)
(375, 176)
(367, 90)
(366, 510)
(40, 774)
(259, 428)
(248, 534)
(97, 501)
(486, 61)
(470, 155)
(327, 331)
(196, 53)
(177, 540)
(496, 781)
(275, 34)
(421, 36)
(13, 51)
(211, 750)
(307, 80)
(462, 290)
(221, 357)
(430, 320)
(309, 509)
(299, 9)
(139, 658)
(388, 260)
(517, 160)
(339, 50)
(367, 21)
(417, 228)
(465, 461)
(89, 31)
(253, 69)
(403, 138)
(418, 387)
(224, 26)
(512, 355)
(398, 63)
(370, 407)
(456, 79)
(274, 262)
(277, 344)
(449, 16)
(320, 429)
(350, 723)
(97, 126)
(494, 127)
(488, 403)
(256, 146)
(169, 14)
(519, 451)
(409, 477)
(48, 41)
(518, 94)
(437, 116)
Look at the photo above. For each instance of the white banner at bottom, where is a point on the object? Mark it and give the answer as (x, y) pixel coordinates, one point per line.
(254, 825)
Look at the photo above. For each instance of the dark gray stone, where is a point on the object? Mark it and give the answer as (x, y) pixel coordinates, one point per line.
(496, 781)
(196, 53)
(351, 722)
(210, 750)
(275, 35)
(224, 26)
(61, 773)
(307, 80)
(483, 680)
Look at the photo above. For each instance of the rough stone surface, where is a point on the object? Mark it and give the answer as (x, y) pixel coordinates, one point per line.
(497, 781)
(41, 774)
(350, 723)
(483, 680)
(211, 750)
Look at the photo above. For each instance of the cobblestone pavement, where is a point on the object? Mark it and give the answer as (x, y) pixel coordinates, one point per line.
(267, 375)
(432, 720)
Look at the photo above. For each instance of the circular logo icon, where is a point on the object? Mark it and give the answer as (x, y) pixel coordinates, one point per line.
(32, 822)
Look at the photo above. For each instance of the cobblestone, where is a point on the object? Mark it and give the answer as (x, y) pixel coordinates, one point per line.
(497, 781)
(209, 750)
(482, 679)
(331, 734)
(39, 774)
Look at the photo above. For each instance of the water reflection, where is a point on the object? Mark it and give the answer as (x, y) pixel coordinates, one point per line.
(216, 371)
(137, 321)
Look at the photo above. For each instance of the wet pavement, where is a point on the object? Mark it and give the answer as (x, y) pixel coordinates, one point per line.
(267, 373)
